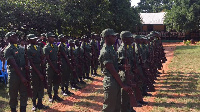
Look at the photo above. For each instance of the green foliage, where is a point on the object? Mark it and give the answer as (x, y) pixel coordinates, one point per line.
(188, 42)
(184, 16)
(153, 6)
(73, 17)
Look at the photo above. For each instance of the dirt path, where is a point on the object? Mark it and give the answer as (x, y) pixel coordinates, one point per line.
(90, 99)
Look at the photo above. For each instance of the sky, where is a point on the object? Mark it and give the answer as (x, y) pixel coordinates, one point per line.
(134, 2)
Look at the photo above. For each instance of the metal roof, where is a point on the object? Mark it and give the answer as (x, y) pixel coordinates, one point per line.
(152, 18)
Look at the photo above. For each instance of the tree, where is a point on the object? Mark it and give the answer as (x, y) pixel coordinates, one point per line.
(184, 16)
(153, 6)
(73, 17)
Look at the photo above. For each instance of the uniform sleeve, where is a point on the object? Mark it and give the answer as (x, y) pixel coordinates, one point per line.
(107, 58)
(8, 54)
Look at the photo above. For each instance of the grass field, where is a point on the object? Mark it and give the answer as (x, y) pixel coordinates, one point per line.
(180, 88)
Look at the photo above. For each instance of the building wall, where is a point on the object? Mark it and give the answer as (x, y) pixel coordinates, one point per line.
(155, 27)
(158, 27)
(144, 28)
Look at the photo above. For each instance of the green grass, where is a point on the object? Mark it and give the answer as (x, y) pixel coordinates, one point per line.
(180, 89)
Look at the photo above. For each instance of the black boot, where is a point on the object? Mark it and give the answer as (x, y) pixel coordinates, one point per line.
(67, 91)
(50, 98)
(22, 108)
(34, 108)
(63, 91)
(56, 97)
(13, 110)
(40, 105)
(81, 81)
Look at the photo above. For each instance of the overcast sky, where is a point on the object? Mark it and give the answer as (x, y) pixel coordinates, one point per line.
(134, 2)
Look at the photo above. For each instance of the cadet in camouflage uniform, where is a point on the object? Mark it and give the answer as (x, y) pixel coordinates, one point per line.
(16, 71)
(65, 65)
(79, 60)
(95, 54)
(142, 73)
(74, 78)
(87, 56)
(111, 82)
(126, 51)
(53, 73)
(34, 56)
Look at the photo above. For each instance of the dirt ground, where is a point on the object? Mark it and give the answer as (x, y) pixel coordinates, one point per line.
(90, 99)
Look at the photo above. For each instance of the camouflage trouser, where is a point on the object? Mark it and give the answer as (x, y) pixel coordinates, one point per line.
(15, 86)
(53, 79)
(65, 75)
(112, 95)
(37, 84)
(125, 99)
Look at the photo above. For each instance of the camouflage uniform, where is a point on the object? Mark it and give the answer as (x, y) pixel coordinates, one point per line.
(12, 51)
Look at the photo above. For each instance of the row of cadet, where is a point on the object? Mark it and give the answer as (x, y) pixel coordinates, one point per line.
(50, 62)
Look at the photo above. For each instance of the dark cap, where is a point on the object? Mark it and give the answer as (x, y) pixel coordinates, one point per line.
(108, 32)
(126, 34)
(49, 34)
(9, 34)
(31, 36)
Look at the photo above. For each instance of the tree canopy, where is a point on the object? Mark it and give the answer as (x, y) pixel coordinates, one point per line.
(153, 6)
(184, 16)
(73, 17)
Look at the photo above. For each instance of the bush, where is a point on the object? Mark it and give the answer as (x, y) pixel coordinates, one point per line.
(188, 42)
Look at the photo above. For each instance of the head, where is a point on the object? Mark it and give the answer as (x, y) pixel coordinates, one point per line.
(50, 37)
(12, 37)
(126, 37)
(62, 38)
(138, 39)
(32, 39)
(71, 43)
(109, 36)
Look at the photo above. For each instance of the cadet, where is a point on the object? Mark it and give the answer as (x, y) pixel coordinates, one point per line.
(86, 47)
(34, 56)
(111, 81)
(79, 60)
(16, 71)
(94, 52)
(141, 65)
(65, 65)
(74, 78)
(53, 73)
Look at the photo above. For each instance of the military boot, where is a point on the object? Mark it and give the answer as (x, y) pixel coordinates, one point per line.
(56, 97)
(40, 105)
(34, 108)
(50, 98)
(63, 91)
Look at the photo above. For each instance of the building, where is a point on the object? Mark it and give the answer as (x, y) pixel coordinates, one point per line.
(153, 21)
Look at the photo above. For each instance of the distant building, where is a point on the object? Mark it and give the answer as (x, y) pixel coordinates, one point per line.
(153, 21)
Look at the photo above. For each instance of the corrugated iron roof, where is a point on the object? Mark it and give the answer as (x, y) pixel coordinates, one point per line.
(152, 18)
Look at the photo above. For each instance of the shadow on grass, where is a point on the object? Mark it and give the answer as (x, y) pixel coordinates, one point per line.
(178, 86)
